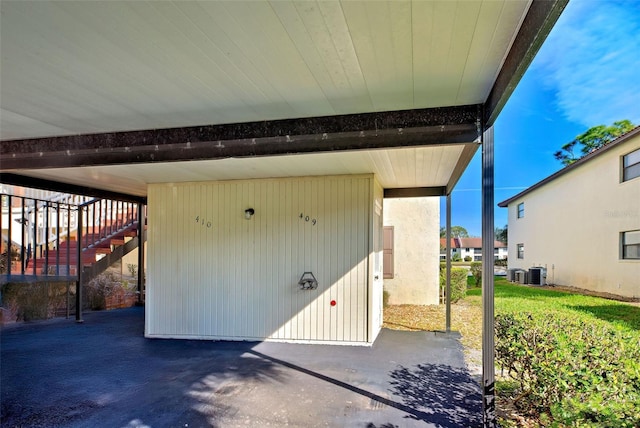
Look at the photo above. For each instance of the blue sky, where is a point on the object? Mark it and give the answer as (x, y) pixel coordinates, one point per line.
(587, 73)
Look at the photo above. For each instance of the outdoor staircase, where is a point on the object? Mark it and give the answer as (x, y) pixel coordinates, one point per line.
(50, 236)
(56, 244)
(63, 260)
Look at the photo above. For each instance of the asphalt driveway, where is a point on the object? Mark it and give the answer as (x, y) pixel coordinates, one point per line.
(104, 373)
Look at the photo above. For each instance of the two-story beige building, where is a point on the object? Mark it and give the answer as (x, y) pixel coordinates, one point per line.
(583, 223)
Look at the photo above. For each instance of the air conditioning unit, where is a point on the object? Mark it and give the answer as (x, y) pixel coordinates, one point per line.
(511, 275)
(522, 276)
(538, 276)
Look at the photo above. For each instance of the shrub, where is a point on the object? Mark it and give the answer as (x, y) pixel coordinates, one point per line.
(101, 287)
(133, 269)
(581, 373)
(458, 282)
(15, 255)
(385, 298)
(500, 262)
(476, 272)
(33, 301)
(456, 258)
(467, 258)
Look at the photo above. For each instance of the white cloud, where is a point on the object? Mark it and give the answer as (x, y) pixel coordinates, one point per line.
(591, 60)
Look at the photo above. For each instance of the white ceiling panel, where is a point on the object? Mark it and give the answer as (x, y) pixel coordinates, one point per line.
(103, 66)
(405, 167)
(107, 66)
(381, 33)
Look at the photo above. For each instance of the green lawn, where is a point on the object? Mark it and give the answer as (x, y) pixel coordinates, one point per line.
(466, 315)
(518, 298)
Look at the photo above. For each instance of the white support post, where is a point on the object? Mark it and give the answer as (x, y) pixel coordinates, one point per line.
(488, 344)
(141, 241)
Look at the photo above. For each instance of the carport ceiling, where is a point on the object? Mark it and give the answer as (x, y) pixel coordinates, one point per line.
(72, 70)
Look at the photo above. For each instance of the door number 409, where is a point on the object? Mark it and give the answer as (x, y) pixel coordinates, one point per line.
(307, 218)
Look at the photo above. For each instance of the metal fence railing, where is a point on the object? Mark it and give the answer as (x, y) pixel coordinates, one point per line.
(53, 239)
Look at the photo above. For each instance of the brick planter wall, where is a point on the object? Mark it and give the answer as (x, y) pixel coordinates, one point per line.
(120, 299)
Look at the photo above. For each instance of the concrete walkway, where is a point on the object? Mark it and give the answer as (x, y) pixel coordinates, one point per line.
(104, 373)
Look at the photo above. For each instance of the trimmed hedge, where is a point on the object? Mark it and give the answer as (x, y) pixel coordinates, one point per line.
(458, 282)
(581, 373)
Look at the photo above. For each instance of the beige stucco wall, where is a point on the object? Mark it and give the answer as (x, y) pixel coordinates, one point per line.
(131, 258)
(572, 226)
(416, 223)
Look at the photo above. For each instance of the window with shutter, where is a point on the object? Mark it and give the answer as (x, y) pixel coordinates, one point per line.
(387, 253)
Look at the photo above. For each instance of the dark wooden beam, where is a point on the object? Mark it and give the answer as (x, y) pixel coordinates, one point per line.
(540, 19)
(57, 186)
(414, 192)
(433, 126)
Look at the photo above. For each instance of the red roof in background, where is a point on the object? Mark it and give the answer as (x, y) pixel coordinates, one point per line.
(469, 243)
(443, 242)
(476, 243)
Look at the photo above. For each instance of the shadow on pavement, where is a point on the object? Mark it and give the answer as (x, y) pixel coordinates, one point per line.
(446, 396)
(408, 409)
(105, 373)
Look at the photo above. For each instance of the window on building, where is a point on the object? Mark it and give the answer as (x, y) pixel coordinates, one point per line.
(387, 253)
(630, 244)
(521, 210)
(521, 251)
(631, 165)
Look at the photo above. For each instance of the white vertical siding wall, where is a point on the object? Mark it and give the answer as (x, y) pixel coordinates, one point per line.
(214, 274)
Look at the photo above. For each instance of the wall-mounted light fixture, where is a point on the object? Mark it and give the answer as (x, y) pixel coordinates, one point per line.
(308, 281)
(248, 213)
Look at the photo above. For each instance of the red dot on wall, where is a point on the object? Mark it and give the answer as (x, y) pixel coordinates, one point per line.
(333, 303)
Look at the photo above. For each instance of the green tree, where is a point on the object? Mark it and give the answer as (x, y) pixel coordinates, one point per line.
(459, 232)
(594, 138)
(502, 234)
(456, 232)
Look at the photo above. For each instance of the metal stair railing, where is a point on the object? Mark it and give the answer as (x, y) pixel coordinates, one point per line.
(29, 225)
(35, 228)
